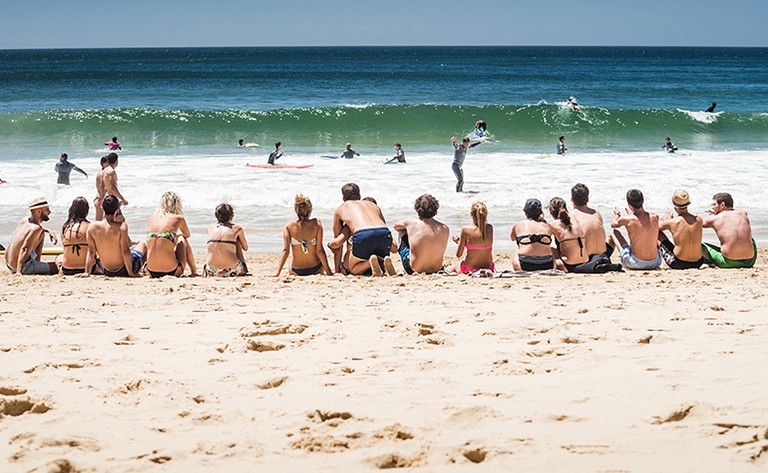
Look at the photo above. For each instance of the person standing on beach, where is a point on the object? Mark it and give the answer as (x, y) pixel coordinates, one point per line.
(738, 249)
(371, 239)
(459, 155)
(276, 154)
(348, 152)
(423, 241)
(684, 251)
(561, 146)
(26, 247)
(113, 145)
(64, 168)
(100, 190)
(642, 251)
(109, 245)
(110, 182)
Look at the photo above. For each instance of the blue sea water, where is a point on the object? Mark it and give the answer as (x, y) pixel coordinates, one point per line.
(179, 113)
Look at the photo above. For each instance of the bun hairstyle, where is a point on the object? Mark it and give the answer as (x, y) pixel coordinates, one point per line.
(303, 207)
(479, 214)
(559, 210)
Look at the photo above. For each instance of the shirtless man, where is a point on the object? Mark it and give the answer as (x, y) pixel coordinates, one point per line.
(423, 241)
(685, 252)
(26, 246)
(110, 182)
(371, 239)
(738, 249)
(109, 242)
(642, 251)
(100, 190)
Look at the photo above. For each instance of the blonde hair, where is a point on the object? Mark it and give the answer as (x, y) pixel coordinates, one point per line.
(170, 203)
(479, 214)
(303, 207)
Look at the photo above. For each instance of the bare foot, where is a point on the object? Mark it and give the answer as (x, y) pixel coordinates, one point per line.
(375, 268)
(389, 267)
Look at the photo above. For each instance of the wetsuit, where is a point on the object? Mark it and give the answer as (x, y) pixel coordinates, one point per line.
(274, 155)
(64, 168)
(459, 154)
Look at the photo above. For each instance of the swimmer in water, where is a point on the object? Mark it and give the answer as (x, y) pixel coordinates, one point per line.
(113, 145)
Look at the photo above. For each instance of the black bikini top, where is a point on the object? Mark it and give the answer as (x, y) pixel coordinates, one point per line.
(578, 239)
(534, 238)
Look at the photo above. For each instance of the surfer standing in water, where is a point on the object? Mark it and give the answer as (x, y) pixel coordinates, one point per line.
(399, 156)
(348, 152)
(561, 146)
(668, 146)
(459, 154)
(276, 154)
(711, 108)
(113, 145)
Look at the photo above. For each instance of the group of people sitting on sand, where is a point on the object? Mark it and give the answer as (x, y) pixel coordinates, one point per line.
(573, 241)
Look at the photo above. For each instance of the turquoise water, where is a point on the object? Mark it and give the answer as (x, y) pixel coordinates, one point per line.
(180, 112)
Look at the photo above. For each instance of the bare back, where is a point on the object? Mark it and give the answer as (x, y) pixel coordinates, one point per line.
(591, 223)
(27, 237)
(686, 234)
(479, 250)
(643, 230)
(357, 215)
(226, 243)
(109, 242)
(428, 239)
(75, 243)
(733, 229)
(162, 233)
(570, 242)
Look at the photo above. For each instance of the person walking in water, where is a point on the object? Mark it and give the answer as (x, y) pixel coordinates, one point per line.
(276, 154)
(64, 168)
(561, 146)
(348, 152)
(668, 146)
(459, 154)
(113, 145)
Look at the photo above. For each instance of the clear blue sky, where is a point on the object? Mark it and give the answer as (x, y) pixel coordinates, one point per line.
(141, 23)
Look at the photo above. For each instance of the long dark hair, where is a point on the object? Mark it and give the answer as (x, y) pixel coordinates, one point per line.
(78, 213)
(559, 211)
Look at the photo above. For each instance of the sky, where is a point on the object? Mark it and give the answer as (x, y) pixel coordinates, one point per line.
(178, 23)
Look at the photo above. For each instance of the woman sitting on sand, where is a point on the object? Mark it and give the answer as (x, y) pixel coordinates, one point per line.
(168, 251)
(226, 243)
(569, 237)
(533, 236)
(477, 240)
(74, 241)
(303, 239)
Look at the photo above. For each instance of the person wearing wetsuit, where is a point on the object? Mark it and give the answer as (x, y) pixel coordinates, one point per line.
(348, 152)
(561, 146)
(64, 168)
(459, 154)
(711, 108)
(276, 154)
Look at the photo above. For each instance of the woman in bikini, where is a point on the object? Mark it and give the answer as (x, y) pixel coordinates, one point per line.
(168, 251)
(534, 237)
(569, 237)
(74, 241)
(477, 240)
(226, 243)
(303, 239)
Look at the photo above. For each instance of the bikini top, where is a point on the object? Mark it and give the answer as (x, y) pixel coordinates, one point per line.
(304, 243)
(534, 238)
(223, 241)
(170, 236)
(578, 239)
(75, 247)
(472, 248)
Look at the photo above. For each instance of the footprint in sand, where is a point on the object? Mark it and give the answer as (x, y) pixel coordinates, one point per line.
(17, 407)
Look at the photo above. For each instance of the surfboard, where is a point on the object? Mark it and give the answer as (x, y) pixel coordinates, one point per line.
(3, 182)
(328, 156)
(251, 145)
(470, 193)
(279, 166)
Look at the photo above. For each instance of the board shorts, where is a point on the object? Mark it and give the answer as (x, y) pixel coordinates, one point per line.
(405, 253)
(535, 263)
(597, 264)
(137, 261)
(630, 261)
(371, 241)
(31, 266)
(667, 251)
(714, 255)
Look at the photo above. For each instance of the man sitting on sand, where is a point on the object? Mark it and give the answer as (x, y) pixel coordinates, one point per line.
(423, 241)
(642, 251)
(371, 239)
(26, 246)
(591, 223)
(109, 244)
(685, 252)
(738, 249)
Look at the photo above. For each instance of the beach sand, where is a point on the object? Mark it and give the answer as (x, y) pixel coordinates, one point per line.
(642, 371)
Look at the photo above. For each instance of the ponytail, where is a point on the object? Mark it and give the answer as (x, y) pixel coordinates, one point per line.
(479, 214)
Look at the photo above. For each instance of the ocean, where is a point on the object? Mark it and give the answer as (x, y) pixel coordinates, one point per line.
(180, 112)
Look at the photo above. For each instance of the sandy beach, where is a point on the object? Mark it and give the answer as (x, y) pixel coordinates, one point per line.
(642, 371)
